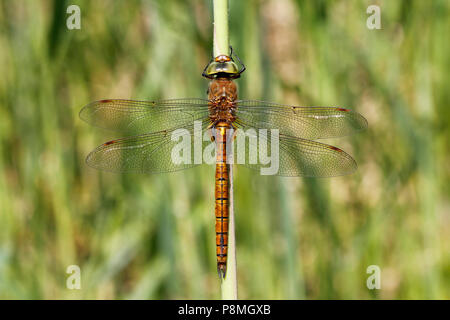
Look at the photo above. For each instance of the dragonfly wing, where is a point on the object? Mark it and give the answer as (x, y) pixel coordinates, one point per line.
(136, 117)
(283, 155)
(158, 152)
(304, 122)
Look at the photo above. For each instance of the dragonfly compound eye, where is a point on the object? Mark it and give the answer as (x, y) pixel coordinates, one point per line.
(222, 68)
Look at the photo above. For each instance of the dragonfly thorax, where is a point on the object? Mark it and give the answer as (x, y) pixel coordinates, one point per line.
(222, 89)
(222, 94)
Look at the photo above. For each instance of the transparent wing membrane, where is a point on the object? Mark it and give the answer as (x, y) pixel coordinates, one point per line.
(171, 135)
(304, 122)
(136, 117)
(158, 152)
(281, 155)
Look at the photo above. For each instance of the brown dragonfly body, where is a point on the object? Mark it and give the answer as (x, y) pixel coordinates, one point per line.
(222, 94)
(155, 126)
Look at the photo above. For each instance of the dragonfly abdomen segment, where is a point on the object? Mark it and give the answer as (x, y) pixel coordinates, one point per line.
(222, 199)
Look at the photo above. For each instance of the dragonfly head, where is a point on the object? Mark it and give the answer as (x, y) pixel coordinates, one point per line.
(223, 66)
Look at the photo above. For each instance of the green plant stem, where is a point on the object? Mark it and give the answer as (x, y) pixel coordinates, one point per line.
(221, 44)
(221, 47)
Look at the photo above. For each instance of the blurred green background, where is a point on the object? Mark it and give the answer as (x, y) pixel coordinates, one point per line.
(152, 236)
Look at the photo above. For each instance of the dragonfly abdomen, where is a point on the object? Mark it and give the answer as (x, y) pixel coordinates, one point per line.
(222, 198)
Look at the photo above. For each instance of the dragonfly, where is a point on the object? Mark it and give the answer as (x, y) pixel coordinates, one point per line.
(152, 125)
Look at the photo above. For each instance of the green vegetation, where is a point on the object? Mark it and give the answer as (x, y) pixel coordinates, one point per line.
(152, 236)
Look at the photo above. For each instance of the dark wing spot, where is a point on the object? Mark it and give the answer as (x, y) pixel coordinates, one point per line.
(335, 149)
(342, 109)
(109, 142)
(105, 101)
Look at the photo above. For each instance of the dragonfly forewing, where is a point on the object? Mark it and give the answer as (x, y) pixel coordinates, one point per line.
(131, 117)
(304, 122)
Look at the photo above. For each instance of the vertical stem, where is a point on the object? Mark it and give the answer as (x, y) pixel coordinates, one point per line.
(221, 43)
(221, 47)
